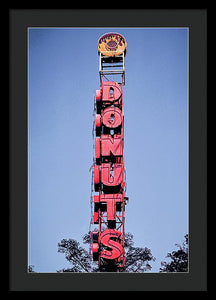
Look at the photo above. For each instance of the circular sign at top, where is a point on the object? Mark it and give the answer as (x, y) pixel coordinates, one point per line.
(112, 44)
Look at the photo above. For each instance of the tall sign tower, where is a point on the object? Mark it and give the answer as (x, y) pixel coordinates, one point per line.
(108, 198)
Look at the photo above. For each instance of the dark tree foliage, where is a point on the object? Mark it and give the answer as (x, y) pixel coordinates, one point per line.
(179, 259)
(76, 255)
(30, 269)
(136, 258)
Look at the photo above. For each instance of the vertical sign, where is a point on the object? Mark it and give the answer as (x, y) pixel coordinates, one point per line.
(109, 171)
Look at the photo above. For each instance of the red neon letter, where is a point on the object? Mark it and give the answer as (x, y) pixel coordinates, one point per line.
(111, 200)
(112, 117)
(97, 148)
(111, 144)
(111, 91)
(112, 177)
(116, 248)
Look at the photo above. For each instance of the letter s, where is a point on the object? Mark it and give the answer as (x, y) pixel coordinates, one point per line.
(116, 248)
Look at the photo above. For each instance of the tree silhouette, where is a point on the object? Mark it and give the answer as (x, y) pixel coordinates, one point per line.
(30, 269)
(137, 259)
(179, 259)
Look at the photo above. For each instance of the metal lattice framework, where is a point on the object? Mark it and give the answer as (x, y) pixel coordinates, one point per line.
(108, 178)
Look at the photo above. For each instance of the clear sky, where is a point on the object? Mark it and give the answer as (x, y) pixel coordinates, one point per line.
(63, 74)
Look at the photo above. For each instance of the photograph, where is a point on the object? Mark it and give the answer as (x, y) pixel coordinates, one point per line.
(108, 149)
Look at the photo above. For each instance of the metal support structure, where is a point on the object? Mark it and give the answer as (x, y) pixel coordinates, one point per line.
(112, 66)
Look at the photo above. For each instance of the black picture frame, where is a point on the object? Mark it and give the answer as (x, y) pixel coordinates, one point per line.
(19, 278)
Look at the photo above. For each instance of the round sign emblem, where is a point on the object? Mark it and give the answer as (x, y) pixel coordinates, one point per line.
(112, 44)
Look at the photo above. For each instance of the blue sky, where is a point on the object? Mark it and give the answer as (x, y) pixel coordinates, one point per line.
(63, 67)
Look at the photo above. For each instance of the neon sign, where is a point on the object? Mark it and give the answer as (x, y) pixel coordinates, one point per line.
(109, 171)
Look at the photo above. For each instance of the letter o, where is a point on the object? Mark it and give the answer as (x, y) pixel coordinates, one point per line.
(112, 117)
